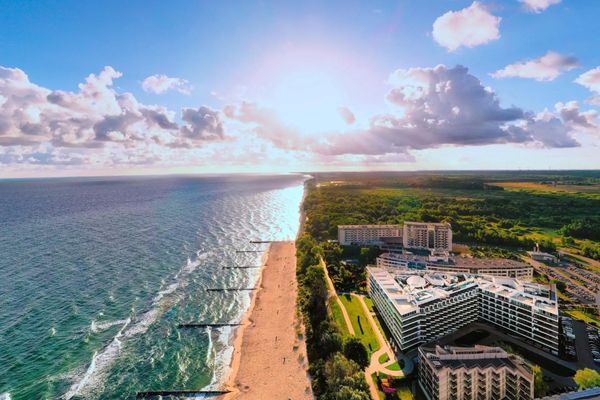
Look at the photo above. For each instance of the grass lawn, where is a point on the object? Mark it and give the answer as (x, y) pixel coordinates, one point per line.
(394, 367)
(384, 358)
(355, 310)
(369, 303)
(403, 391)
(338, 317)
(584, 317)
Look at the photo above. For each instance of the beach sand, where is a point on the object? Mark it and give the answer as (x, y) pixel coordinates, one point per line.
(269, 359)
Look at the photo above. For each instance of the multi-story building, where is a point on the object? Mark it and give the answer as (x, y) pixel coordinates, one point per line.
(427, 236)
(365, 235)
(479, 372)
(473, 266)
(420, 309)
(418, 306)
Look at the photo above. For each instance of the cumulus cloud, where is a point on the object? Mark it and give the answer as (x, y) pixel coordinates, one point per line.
(94, 115)
(583, 120)
(591, 80)
(538, 6)
(347, 115)
(201, 124)
(469, 27)
(445, 106)
(159, 84)
(545, 68)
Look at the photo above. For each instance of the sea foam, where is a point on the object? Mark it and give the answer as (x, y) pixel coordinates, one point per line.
(101, 360)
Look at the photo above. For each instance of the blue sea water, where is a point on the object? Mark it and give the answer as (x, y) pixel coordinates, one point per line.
(95, 275)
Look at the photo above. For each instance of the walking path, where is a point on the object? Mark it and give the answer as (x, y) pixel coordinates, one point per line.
(384, 346)
(333, 295)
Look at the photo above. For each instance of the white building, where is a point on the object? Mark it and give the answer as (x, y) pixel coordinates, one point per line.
(471, 266)
(427, 236)
(364, 235)
(479, 372)
(419, 307)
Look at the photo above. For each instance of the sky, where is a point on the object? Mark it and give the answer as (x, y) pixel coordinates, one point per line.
(153, 87)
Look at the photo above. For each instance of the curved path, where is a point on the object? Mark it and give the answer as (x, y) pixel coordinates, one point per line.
(333, 295)
(384, 348)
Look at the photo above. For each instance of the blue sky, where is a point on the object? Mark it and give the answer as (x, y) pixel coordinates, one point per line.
(265, 79)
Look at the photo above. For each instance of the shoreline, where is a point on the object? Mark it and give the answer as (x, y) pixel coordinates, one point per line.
(238, 334)
(269, 357)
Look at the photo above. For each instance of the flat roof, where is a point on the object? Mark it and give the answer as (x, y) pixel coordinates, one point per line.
(368, 226)
(407, 297)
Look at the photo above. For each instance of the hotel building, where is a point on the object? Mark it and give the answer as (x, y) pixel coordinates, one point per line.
(427, 236)
(479, 372)
(419, 307)
(471, 266)
(364, 235)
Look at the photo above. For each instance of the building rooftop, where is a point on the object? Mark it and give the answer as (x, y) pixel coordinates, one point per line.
(468, 262)
(396, 226)
(411, 289)
(472, 357)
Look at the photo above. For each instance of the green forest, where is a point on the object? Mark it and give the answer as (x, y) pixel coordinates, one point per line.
(490, 210)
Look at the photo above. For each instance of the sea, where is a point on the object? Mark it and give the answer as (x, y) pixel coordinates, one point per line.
(96, 274)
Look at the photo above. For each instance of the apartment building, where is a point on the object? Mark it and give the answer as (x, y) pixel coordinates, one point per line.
(473, 266)
(479, 372)
(427, 236)
(365, 235)
(419, 306)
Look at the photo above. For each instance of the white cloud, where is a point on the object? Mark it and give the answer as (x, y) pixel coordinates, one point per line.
(91, 117)
(538, 6)
(159, 84)
(347, 115)
(469, 27)
(436, 107)
(591, 80)
(545, 68)
(582, 120)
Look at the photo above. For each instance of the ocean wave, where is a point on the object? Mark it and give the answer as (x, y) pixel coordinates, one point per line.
(97, 327)
(101, 360)
(5, 396)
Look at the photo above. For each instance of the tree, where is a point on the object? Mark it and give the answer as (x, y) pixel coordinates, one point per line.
(587, 378)
(355, 350)
(539, 386)
(348, 393)
(560, 285)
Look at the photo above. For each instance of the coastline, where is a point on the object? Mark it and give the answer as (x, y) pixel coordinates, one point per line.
(269, 357)
(234, 365)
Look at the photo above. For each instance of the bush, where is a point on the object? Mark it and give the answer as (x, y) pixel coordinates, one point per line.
(587, 378)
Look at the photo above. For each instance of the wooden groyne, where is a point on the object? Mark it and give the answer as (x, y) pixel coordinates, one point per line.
(242, 267)
(217, 325)
(228, 289)
(154, 393)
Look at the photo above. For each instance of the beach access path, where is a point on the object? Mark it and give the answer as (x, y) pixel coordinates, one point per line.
(269, 360)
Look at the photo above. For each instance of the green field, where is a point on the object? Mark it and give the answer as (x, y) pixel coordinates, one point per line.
(338, 317)
(355, 310)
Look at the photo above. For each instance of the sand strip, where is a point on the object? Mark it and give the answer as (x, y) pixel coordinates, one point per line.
(269, 359)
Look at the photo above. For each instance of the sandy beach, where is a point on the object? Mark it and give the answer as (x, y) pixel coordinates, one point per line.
(269, 360)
